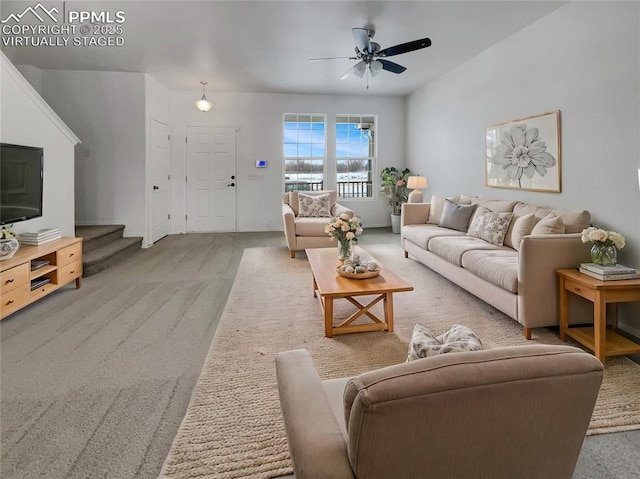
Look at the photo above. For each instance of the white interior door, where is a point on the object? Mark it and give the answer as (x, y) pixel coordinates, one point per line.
(211, 178)
(161, 173)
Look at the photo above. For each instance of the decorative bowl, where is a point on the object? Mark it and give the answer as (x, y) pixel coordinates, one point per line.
(365, 275)
(8, 248)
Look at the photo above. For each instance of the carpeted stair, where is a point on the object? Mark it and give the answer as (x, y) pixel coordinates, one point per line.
(103, 246)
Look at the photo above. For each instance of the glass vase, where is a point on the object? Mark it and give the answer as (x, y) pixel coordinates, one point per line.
(344, 249)
(604, 255)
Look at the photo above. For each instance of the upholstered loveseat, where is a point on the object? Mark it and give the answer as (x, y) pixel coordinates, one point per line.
(308, 231)
(515, 273)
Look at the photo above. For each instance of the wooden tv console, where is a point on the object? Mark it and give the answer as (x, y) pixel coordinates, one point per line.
(65, 265)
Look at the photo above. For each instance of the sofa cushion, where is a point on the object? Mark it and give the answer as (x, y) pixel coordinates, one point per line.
(452, 248)
(499, 267)
(456, 216)
(519, 227)
(421, 234)
(314, 205)
(574, 221)
(501, 206)
(458, 339)
(549, 225)
(311, 226)
(490, 225)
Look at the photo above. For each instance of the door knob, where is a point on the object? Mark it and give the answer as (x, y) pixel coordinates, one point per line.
(231, 184)
(156, 187)
(233, 177)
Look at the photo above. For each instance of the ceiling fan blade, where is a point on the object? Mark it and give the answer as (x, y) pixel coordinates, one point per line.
(331, 58)
(347, 74)
(358, 70)
(391, 66)
(375, 67)
(361, 37)
(405, 47)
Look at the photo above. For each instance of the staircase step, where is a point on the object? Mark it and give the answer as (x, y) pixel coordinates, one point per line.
(94, 237)
(109, 254)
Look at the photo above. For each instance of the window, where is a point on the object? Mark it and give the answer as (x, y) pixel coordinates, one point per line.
(355, 155)
(304, 149)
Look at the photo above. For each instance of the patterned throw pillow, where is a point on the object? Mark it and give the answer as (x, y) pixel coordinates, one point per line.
(313, 206)
(490, 226)
(457, 339)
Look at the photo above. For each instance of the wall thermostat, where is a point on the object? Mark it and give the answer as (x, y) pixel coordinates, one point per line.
(261, 163)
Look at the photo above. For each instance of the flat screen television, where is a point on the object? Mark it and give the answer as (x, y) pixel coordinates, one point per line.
(20, 183)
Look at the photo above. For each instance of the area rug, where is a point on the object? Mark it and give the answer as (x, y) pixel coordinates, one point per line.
(233, 426)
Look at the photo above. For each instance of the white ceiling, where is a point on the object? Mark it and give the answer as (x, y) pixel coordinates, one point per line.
(263, 46)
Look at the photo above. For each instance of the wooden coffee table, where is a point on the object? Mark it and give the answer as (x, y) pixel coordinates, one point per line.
(329, 285)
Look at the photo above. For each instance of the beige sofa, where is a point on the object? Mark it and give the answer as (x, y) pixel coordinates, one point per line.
(501, 413)
(308, 232)
(517, 278)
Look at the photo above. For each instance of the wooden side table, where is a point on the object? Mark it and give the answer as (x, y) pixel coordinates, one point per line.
(603, 343)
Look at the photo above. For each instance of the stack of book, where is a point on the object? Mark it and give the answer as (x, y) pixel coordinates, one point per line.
(40, 237)
(609, 273)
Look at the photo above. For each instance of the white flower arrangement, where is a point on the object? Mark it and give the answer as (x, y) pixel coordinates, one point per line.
(602, 237)
(343, 228)
(7, 233)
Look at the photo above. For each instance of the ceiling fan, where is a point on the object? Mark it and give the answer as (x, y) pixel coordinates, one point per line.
(371, 58)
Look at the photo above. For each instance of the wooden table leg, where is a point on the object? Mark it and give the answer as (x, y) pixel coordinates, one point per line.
(314, 286)
(600, 327)
(613, 316)
(388, 311)
(563, 313)
(328, 317)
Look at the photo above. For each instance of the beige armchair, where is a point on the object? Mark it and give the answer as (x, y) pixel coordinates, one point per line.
(308, 232)
(501, 413)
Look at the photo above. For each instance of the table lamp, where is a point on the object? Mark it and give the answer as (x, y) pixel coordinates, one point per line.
(415, 183)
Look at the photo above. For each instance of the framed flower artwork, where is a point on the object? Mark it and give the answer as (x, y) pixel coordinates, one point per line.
(524, 154)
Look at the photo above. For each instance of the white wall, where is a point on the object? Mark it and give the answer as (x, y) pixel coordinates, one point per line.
(582, 59)
(156, 108)
(259, 117)
(107, 112)
(26, 120)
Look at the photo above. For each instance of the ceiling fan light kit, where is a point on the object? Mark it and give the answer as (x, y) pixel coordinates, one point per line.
(371, 58)
(203, 104)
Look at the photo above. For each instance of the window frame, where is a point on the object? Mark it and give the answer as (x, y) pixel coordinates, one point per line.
(286, 118)
(373, 159)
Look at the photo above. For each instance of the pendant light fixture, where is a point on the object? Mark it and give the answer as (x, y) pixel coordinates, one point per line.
(203, 104)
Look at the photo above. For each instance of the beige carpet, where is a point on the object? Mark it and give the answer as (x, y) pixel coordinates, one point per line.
(233, 426)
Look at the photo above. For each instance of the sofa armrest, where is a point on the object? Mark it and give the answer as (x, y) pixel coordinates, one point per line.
(289, 220)
(339, 209)
(538, 260)
(316, 443)
(414, 213)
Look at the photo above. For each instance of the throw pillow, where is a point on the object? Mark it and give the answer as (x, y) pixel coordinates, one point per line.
(435, 210)
(436, 207)
(490, 226)
(313, 206)
(549, 225)
(458, 339)
(425, 344)
(477, 221)
(456, 216)
(519, 227)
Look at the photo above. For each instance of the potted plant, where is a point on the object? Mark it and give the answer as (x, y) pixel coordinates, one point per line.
(394, 189)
